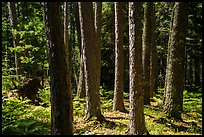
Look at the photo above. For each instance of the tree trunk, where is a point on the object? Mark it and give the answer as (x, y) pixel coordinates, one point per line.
(197, 70)
(81, 92)
(147, 41)
(174, 81)
(61, 97)
(137, 121)
(76, 17)
(163, 71)
(66, 34)
(13, 22)
(73, 76)
(118, 101)
(153, 55)
(98, 24)
(88, 37)
(191, 76)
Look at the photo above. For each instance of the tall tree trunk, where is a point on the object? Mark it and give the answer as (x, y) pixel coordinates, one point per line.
(76, 17)
(66, 34)
(197, 70)
(147, 42)
(137, 121)
(118, 101)
(13, 22)
(191, 71)
(88, 37)
(174, 81)
(74, 78)
(61, 97)
(163, 71)
(81, 93)
(153, 55)
(42, 74)
(98, 24)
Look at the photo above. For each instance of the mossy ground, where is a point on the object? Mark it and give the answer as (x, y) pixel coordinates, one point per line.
(19, 117)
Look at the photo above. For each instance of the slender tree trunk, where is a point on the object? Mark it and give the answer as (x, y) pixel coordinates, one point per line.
(74, 55)
(162, 65)
(196, 70)
(190, 71)
(81, 93)
(174, 82)
(13, 22)
(98, 24)
(118, 101)
(147, 41)
(67, 51)
(73, 78)
(42, 75)
(76, 17)
(153, 55)
(137, 121)
(66, 34)
(61, 97)
(88, 37)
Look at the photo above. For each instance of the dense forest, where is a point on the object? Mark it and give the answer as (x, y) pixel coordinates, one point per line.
(101, 68)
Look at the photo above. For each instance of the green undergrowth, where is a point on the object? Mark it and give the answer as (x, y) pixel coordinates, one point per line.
(19, 117)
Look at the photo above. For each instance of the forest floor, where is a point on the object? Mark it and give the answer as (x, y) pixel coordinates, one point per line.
(156, 121)
(19, 117)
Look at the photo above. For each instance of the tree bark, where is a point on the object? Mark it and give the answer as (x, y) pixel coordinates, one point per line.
(81, 93)
(197, 70)
(147, 41)
(191, 77)
(14, 22)
(137, 121)
(61, 97)
(73, 77)
(118, 101)
(174, 81)
(76, 17)
(98, 24)
(66, 34)
(153, 55)
(88, 37)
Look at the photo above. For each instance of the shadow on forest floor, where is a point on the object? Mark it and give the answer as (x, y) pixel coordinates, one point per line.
(180, 125)
(27, 126)
(88, 127)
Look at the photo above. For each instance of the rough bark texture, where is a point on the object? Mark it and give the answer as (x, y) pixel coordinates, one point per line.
(61, 98)
(118, 101)
(13, 22)
(81, 93)
(137, 121)
(66, 34)
(153, 55)
(76, 17)
(88, 37)
(190, 78)
(147, 39)
(98, 24)
(174, 81)
(197, 70)
(73, 57)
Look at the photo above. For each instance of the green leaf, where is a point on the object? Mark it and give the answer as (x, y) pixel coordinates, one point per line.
(28, 46)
